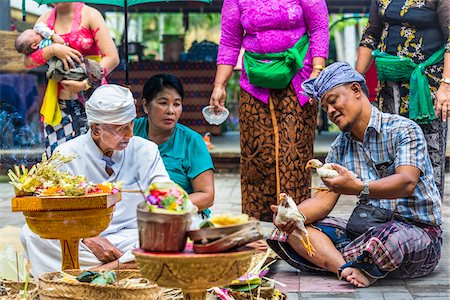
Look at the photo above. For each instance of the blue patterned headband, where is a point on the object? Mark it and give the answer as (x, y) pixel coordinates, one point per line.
(334, 75)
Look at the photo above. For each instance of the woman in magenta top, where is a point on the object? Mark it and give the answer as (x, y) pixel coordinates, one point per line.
(86, 34)
(275, 143)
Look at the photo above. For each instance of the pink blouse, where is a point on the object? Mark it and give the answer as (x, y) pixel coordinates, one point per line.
(266, 26)
(79, 38)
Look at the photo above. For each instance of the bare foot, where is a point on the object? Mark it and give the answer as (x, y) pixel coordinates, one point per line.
(357, 277)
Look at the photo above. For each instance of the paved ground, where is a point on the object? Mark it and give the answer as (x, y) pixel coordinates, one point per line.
(299, 285)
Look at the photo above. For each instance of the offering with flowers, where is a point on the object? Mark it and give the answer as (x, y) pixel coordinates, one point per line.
(44, 179)
(167, 197)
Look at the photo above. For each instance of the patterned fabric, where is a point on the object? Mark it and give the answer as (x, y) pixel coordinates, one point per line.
(273, 26)
(392, 141)
(44, 43)
(73, 123)
(435, 133)
(296, 135)
(404, 249)
(415, 29)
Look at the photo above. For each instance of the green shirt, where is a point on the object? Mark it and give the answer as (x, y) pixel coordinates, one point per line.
(184, 154)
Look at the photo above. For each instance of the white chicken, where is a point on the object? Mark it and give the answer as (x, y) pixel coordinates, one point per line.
(323, 170)
(287, 211)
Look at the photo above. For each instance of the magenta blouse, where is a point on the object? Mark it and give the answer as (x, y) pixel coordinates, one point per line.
(265, 26)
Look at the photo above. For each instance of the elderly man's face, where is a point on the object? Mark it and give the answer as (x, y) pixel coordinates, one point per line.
(342, 106)
(115, 137)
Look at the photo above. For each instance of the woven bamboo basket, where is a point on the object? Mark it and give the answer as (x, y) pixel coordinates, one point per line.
(10, 59)
(52, 288)
(10, 289)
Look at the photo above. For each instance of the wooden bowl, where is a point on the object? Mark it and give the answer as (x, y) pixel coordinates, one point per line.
(69, 224)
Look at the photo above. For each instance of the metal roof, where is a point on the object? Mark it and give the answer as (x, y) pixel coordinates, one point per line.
(334, 6)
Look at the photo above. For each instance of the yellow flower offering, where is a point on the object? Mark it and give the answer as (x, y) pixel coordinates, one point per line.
(222, 220)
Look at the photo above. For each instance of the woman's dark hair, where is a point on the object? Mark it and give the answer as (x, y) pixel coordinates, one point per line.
(157, 83)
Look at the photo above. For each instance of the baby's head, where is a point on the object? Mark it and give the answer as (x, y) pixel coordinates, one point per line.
(28, 41)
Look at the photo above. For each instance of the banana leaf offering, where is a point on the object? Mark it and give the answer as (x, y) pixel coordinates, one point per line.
(45, 179)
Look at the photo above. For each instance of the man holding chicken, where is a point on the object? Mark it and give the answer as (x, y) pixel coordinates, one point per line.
(382, 159)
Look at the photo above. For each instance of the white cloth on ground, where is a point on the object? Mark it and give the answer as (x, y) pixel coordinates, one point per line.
(138, 162)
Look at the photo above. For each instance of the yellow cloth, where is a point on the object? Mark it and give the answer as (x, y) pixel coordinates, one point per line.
(50, 110)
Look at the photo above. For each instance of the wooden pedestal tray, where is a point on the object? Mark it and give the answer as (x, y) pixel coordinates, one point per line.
(67, 219)
(191, 272)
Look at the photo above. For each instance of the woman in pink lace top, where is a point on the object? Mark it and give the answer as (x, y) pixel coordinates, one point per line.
(277, 125)
(86, 34)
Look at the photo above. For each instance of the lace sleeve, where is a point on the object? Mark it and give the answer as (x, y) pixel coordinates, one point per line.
(372, 32)
(316, 18)
(443, 11)
(38, 58)
(232, 34)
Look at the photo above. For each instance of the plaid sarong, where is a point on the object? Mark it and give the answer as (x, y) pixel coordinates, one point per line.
(73, 124)
(404, 249)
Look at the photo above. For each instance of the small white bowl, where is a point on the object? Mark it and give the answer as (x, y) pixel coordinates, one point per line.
(213, 117)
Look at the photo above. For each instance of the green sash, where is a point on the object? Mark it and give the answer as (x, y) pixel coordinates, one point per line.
(394, 68)
(275, 70)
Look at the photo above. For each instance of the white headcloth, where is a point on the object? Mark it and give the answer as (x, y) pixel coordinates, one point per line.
(111, 104)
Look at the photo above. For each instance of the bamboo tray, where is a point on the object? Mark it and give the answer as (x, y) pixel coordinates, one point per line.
(52, 203)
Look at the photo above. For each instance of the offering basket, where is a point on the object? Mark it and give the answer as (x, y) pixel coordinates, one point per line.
(67, 219)
(191, 272)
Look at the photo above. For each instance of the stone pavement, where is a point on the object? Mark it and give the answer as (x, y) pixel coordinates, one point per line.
(298, 285)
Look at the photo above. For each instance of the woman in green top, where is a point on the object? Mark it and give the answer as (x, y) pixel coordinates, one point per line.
(183, 150)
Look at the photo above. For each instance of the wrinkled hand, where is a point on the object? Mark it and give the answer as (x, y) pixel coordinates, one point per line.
(346, 183)
(285, 227)
(443, 101)
(218, 97)
(259, 245)
(72, 86)
(102, 249)
(67, 55)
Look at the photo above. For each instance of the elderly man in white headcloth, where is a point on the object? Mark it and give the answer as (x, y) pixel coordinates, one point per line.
(107, 152)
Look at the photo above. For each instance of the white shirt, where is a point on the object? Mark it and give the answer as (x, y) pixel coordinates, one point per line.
(139, 162)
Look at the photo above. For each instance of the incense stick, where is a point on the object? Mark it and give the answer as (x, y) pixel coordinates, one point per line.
(17, 266)
(318, 188)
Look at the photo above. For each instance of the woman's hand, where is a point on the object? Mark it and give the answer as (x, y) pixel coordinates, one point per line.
(443, 101)
(72, 86)
(67, 55)
(218, 96)
(314, 74)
